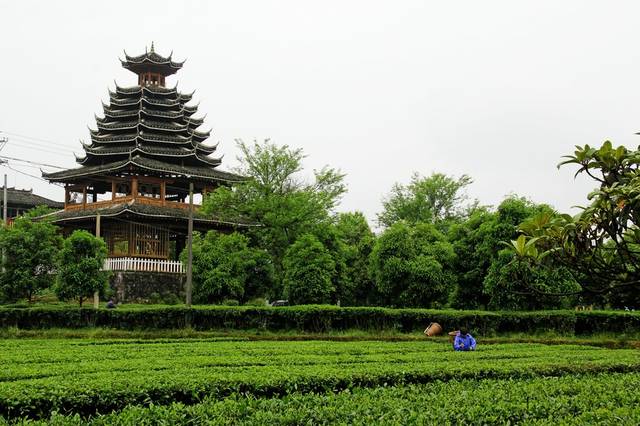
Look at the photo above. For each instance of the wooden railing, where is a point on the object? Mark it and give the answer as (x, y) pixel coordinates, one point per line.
(120, 200)
(143, 265)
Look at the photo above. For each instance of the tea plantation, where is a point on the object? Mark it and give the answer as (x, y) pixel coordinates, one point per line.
(218, 381)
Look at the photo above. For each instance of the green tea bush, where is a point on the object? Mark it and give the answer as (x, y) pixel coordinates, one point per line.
(99, 376)
(321, 318)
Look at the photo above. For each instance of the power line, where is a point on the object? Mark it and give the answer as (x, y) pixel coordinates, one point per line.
(47, 141)
(4, 157)
(24, 173)
(39, 145)
(61, 152)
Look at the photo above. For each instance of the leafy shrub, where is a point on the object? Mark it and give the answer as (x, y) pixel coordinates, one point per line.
(30, 250)
(318, 318)
(258, 301)
(80, 272)
(410, 265)
(155, 298)
(225, 267)
(85, 379)
(308, 271)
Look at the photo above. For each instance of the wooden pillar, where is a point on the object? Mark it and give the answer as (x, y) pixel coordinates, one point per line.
(84, 196)
(66, 196)
(113, 190)
(95, 196)
(131, 238)
(163, 192)
(134, 188)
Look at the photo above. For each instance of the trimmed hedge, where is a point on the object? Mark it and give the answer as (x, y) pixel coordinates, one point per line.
(318, 319)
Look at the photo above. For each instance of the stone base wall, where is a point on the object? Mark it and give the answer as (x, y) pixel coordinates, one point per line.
(147, 287)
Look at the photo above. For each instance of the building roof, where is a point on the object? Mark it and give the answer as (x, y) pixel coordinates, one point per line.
(150, 128)
(151, 61)
(26, 198)
(144, 164)
(144, 212)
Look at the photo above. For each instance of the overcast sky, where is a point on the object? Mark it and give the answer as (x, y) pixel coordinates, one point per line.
(499, 90)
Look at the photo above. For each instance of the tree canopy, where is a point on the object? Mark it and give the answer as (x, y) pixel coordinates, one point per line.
(411, 266)
(80, 264)
(601, 242)
(225, 267)
(308, 272)
(29, 263)
(435, 199)
(277, 198)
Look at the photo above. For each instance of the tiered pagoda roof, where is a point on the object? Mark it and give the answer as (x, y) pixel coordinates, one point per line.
(150, 128)
(151, 61)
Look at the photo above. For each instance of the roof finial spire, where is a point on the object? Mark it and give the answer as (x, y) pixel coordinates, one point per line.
(152, 46)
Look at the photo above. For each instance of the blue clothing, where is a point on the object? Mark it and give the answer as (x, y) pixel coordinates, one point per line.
(464, 343)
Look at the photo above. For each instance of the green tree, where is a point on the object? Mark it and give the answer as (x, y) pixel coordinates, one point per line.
(225, 267)
(410, 265)
(477, 242)
(602, 242)
(277, 198)
(30, 250)
(437, 199)
(308, 272)
(523, 278)
(357, 242)
(80, 264)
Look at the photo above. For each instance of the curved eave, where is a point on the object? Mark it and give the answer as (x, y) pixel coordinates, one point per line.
(157, 102)
(162, 114)
(118, 125)
(130, 208)
(206, 149)
(113, 101)
(186, 97)
(150, 137)
(196, 122)
(113, 139)
(212, 161)
(128, 151)
(190, 110)
(110, 112)
(146, 137)
(133, 90)
(147, 165)
(118, 96)
(158, 126)
(156, 90)
(152, 58)
(200, 136)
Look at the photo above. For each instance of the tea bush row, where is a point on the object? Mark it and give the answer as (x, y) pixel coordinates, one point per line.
(97, 377)
(322, 319)
(607, 398)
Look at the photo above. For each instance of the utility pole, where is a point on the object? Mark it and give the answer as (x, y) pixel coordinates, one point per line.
(189, 284)
(4, 215)
(3, 142)
(96, 294)
(4, 201)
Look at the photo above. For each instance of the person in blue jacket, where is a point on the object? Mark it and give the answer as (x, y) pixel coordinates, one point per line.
(464, 341)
